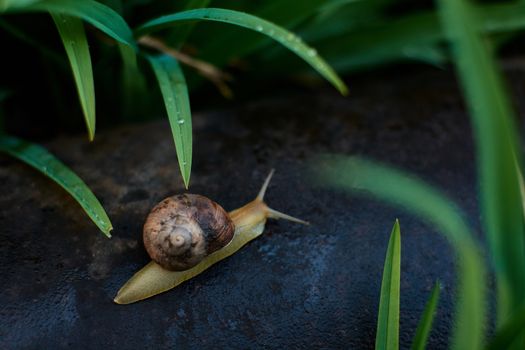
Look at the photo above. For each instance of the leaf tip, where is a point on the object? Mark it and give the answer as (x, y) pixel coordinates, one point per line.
(107, 232)
(396, 224)
(186, 181)
(343, 89)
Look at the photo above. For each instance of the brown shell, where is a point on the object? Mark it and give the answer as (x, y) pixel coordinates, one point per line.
(181, 230)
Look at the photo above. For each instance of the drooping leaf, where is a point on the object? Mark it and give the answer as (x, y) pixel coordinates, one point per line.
(99, 15)
(175, 93)
(425, 324)
(355, 174)
(387, 336)
(40, 159)
(75, 42)
(495, 135)
(234, 43)
(286, 38)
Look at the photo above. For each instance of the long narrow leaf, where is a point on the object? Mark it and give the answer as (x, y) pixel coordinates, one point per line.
(175, 93)
(134, 84)
(99, 15)
(387, 336)
(286, 38)
(75, 42)
(393, 186)
(425, 324)
(495, 133)
(382, 41)
(232, 43)
(40, 159)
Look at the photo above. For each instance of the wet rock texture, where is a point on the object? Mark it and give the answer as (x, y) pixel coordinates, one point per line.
(295, 287)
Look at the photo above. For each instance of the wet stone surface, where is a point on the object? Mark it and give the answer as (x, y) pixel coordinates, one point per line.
(295, 287)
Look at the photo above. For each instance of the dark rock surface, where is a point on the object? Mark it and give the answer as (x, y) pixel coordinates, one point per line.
(295, 287)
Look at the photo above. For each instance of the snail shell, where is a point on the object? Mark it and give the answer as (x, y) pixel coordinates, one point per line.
(182, 230)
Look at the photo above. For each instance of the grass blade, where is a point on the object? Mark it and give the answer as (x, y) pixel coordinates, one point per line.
(286, 38)
(175, 93)
(495, 133)
(425, 324)
(394, 186)
(510, 331)
(232, 43)
(381, 41)
(40, 159)
(99, 15)
(179, 37)
(387, 336)
(135, 93)
(74, 39)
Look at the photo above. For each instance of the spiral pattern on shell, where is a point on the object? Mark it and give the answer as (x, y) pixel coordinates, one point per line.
(181, 230)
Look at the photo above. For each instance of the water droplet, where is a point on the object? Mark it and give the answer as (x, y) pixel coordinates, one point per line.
(259, 28)
(184, 163)
(180, 121)
(271, 32)
(312, 52)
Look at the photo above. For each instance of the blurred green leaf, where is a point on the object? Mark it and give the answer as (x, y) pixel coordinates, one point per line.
(40, 159)
(387, 336)
(21, 35)
(99, 15)
(350, 46)
(7, 3)
(394, 186)
(291, 41)
(179, 36)
(510, 331)
(495, 134)
(425, 324)
(75, 42)
(175, 93)
(135, 92)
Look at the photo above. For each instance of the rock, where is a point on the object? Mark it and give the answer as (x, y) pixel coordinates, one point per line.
(295, 287)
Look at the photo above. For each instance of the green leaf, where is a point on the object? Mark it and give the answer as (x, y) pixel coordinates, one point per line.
(175, 93)
(380, 41)
(425, 324)
(387, 336)
(20, 35)
(394, 186)
(286, 38)
(40, 159)
(510, 331)
(232, 43)
(179, 36)
(135, 92)
(495, 133)
(99, 15)
(74, 39)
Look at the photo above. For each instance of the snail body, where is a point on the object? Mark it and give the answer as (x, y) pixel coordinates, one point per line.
(196, 234)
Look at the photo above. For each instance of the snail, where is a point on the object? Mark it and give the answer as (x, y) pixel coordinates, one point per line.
(186, 234)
